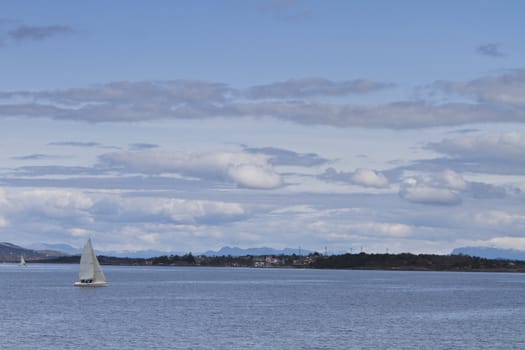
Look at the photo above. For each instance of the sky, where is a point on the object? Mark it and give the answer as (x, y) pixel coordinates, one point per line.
(338, 126)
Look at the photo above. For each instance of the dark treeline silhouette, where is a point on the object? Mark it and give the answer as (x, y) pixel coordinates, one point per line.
(403, 261)
(407, 261)
(103, 260)
(184, 260)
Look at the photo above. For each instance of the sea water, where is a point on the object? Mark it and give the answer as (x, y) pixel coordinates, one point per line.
(237, 308)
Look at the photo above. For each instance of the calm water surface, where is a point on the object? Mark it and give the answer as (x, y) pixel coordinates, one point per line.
(223, 308)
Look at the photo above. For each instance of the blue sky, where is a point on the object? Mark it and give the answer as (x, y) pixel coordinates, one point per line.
(191, 125)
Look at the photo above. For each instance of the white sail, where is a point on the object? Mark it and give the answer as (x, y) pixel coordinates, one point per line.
(22, 261)
(90, 273)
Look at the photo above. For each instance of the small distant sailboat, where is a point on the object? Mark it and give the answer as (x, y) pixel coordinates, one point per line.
(22, 261)
(90, 274)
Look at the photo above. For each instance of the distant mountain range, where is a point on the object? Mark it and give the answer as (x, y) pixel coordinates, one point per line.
(70, 250)
(491, 253)
(65, 248)
(12, 253)
(224, 251)
(235, 251)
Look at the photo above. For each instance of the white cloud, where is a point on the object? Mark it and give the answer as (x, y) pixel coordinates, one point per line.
(81, 232)
(441, 188)
(452, 180)
(168, 237)
(170, 210)
(255, 176)
(181, 210)
(53, 212)
(77, 214)
(242, 168)
(149, 237)
(361, 177)
(507, 242)
(502, 242)
(499, 219)
(360, 231)
(430, 195)
(383, 229)
(369, 178)
(57, 203)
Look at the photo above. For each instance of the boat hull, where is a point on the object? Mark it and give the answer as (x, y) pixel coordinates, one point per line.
(92, 285)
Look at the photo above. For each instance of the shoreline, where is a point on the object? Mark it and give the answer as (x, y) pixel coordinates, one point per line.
(360, 261)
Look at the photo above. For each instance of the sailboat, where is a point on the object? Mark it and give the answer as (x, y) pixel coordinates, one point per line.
(90, 274)
(22, 261)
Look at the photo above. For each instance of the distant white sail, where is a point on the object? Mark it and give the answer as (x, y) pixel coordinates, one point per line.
(22, 261)
(90, 274)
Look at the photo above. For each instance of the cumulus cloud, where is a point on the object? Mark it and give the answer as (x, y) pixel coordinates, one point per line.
(443, 188)
(118, 219)
(249, 168)
(369, 178)
(452, 182)
(242, 168)
(81, 213)
(450, 179)
(50, 205)
(360, 177)
(254, 176)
